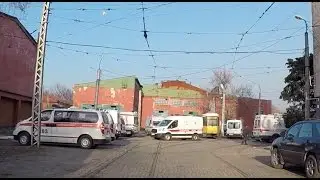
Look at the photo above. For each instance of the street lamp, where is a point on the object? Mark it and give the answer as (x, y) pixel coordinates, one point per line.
(307, 71)
(223, 108)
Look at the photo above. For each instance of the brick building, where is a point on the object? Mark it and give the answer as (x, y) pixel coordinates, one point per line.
(50, 101)
(120, 92)
(17, 68)
(170, 97)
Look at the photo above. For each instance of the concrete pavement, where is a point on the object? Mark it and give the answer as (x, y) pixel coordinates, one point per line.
(142, 157)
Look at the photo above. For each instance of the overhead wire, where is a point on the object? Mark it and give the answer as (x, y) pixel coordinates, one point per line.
(122, 18)
(243, 35)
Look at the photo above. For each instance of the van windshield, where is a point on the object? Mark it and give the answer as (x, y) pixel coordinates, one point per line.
(164, 122)
(155, 123)
(233, 125)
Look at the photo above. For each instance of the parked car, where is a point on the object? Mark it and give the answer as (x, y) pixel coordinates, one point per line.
(299, 145)
(131, 122)
(87, 128)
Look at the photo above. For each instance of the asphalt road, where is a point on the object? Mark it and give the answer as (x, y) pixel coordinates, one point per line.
(143, 157)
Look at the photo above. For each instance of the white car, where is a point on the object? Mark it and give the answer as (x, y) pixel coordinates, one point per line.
(87, 128)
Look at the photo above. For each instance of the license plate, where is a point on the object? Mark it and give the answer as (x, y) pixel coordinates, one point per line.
(128, 132)
(231, 134)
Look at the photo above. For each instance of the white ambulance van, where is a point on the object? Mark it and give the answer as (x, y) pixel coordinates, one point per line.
(111, 125)
(234, 128)
(182, 127)
(118, 124)
(131, 122)
(268, 127)
(87, 128)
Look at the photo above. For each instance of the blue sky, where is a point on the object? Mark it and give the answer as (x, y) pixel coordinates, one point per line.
(214, 27)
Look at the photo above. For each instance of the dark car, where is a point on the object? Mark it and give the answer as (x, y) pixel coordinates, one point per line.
(299, 146)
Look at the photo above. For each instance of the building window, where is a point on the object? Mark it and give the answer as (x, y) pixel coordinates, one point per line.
(161, 101)
(176, 102)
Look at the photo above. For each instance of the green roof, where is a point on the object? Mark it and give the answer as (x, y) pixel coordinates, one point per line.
(154, 90)
(117, 83)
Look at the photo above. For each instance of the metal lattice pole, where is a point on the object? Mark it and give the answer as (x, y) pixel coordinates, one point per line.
(37, 89)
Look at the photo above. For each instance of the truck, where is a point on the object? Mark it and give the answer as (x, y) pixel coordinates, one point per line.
(182, 127)
(268, 127)
(131, 122)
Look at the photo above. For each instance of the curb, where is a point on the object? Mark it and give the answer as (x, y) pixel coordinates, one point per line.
(6, 137)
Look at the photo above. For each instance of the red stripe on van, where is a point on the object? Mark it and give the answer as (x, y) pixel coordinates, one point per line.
(87, 125)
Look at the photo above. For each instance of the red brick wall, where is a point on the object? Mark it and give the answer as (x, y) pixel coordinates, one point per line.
(123, 97)
(149, 106)
(248, 108)
(17, 59)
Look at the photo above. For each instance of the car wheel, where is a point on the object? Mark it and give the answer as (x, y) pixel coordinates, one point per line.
(24, 139)
(311, 167)
(85, 142)
(167, 137)
(275, 159)
(195, 137)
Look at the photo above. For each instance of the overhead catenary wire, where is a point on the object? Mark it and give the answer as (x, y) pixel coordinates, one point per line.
(122, 18)
(243, 35)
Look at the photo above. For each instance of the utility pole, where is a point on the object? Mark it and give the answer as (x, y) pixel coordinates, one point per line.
(223, 109)
(259, 108)
(38, 78)
(307, 71)
(307, 76)
(96, 98)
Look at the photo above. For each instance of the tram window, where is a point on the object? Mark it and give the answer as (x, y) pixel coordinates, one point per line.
(205, 121)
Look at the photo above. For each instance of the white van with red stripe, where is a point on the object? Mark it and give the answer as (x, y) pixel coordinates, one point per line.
(268, 127)
(182, 127)
(87, 128)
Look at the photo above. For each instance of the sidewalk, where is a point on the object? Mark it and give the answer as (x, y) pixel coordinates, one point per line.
(6, 133)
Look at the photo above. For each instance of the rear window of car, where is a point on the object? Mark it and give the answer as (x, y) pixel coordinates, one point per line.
(76, 116)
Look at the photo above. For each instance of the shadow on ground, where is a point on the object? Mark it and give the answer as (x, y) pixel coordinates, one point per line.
(50, 160)
(294, 169)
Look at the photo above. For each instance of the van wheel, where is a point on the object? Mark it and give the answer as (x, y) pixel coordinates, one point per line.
(85, 142)
(311, 167)
(24, 139)
(195, 137)
(167, 137)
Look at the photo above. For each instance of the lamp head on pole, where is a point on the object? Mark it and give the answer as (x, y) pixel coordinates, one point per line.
(222, 86)
(298, 17)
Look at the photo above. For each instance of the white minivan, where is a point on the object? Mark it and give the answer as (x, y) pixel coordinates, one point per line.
(87, 128)
(234, 128)
(182, 127)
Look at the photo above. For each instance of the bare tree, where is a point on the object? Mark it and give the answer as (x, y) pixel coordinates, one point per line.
(224, 76)
(242, 91)
(13, 6)
(61, 93)
(221, 76)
